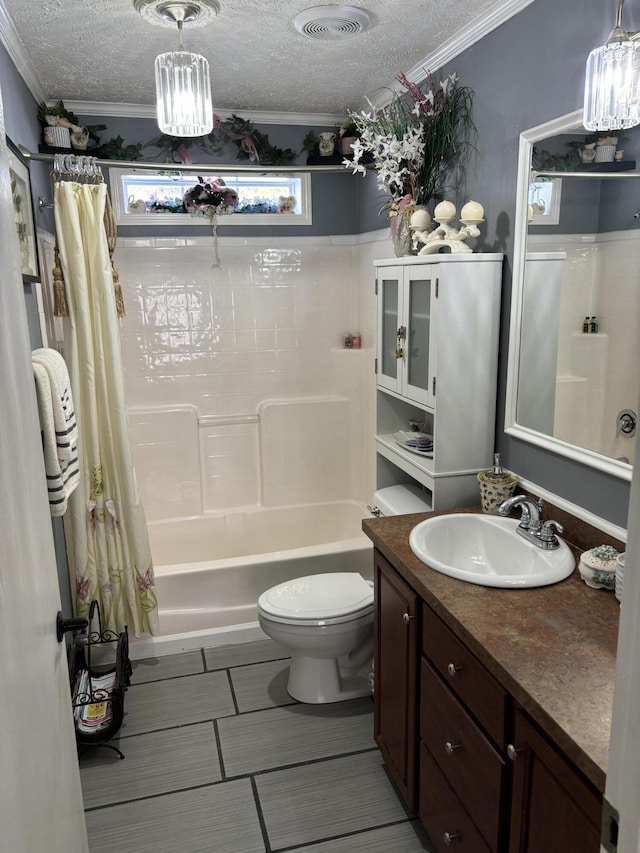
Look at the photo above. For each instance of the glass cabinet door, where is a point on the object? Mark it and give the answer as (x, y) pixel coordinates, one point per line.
(418, 308)
(388, 327)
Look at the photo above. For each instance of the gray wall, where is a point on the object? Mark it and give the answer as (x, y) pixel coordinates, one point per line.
(22, 127)
(529, 71)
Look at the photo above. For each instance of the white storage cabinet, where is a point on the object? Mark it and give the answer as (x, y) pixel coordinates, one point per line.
(436, 361)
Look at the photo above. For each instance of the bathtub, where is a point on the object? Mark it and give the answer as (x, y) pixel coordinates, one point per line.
(210, 570)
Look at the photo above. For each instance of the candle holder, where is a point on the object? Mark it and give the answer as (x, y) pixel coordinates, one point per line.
(445, 237)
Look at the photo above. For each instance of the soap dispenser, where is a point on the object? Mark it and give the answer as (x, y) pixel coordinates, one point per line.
(496, 485)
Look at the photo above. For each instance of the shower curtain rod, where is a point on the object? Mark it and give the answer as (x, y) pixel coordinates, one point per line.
(197, 168)
(600, 175)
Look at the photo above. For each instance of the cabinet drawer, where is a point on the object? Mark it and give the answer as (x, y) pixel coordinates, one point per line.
(466, 676)
(474, 769)
(446, 822)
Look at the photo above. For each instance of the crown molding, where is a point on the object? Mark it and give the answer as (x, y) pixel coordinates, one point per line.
(11, 40)
(95, 108)
(468, 36)
(464, 39)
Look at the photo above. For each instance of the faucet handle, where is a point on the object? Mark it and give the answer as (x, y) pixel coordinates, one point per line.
(548, 536)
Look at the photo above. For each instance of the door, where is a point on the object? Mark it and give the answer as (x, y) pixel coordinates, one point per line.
(419, 301)
(40, 797)
(396, 678)
(553, 809)
(390, 338)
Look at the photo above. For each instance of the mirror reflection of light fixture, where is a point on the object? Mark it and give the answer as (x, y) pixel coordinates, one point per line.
(183, 88)
(612, 81)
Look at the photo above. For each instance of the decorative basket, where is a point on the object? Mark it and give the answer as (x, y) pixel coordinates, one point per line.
(605, 153)
(58, 137)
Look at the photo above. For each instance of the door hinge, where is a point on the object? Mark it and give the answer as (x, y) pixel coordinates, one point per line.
(375, 366)
(610, 827)
(437, 287)
(434, 386)
(376, 287)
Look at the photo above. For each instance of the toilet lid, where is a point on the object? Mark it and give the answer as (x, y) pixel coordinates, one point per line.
(323, 596)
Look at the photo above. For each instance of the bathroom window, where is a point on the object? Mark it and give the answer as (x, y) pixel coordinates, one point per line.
(141, 197)
(544, 202)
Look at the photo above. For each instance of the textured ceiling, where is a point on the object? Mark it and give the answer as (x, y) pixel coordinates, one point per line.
(103, 50)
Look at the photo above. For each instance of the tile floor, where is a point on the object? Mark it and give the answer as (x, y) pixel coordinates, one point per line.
(220, 759)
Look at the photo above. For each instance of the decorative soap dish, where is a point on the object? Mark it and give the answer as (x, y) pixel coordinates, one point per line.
(598, 566)
(415, 442)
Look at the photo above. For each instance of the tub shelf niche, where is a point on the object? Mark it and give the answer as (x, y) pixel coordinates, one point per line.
(100, 672)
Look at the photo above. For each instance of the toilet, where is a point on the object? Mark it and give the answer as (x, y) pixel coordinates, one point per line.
(325, 620)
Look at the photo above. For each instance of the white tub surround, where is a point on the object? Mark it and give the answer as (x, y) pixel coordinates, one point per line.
(210, 571)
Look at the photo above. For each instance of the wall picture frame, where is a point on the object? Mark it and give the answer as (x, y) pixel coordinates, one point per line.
(23, 212)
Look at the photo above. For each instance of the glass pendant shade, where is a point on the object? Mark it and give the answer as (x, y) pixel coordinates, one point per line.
(183, 93)
(612, 87)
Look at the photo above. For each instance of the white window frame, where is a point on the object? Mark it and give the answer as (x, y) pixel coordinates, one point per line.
(552, 190)
(125, 217)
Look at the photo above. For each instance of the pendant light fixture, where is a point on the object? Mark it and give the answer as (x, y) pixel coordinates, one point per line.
(612, 81)
(183, 87)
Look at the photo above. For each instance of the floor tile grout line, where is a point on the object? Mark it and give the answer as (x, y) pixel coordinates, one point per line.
(228, 779)
(216, 734)
(145, 797)
(235, 713)
(233, 692)
(123, 736)
(309, 762)
(250, 663)
(305, 845)
(261, 819)
(204, 671)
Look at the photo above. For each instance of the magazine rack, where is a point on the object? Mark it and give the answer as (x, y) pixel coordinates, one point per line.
(100, 674)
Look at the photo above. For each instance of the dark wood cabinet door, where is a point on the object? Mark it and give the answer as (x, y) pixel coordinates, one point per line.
(396, 677)
(554, 809)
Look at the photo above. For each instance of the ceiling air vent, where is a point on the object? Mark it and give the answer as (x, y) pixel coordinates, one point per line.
(332, 23)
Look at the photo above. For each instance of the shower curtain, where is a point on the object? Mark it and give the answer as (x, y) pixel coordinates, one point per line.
(105, 526)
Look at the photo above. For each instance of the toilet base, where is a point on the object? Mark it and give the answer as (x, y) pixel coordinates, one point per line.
(318, 681)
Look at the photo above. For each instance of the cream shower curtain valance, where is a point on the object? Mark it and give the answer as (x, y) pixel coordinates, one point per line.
(107, 540)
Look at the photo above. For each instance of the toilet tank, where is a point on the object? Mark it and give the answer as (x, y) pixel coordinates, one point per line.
(399, 500)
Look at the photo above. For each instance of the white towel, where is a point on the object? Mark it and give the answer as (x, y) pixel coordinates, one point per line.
(63, 475)
(64, 416)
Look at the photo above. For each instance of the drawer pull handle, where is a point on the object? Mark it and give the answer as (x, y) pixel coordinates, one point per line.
(512, 752)
(452, 669)
(406, 618)
(450, 748)
(449, 836)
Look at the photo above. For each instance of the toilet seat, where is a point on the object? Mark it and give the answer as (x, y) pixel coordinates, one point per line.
(328, 599)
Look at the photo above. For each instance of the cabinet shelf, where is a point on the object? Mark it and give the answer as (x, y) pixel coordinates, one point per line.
(411, 463)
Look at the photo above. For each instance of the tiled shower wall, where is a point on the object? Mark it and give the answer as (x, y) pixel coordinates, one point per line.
(594, 379)
(238, 387)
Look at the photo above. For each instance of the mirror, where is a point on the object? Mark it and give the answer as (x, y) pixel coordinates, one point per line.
(574, 346)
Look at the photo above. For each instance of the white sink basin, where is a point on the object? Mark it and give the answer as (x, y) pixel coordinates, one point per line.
(486, 550)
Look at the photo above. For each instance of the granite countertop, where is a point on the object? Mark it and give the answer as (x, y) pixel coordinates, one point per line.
(553, 648)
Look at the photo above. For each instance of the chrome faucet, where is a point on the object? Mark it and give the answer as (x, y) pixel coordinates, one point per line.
(531, 526)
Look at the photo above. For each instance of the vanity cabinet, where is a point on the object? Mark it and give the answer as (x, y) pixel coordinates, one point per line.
(436, 362)
(464, 754)
(553, 808)
(396, 619)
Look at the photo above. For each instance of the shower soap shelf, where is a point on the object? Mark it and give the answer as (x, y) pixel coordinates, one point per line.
(100, 673)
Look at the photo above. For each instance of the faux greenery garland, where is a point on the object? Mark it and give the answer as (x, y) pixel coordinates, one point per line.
(250, 142)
